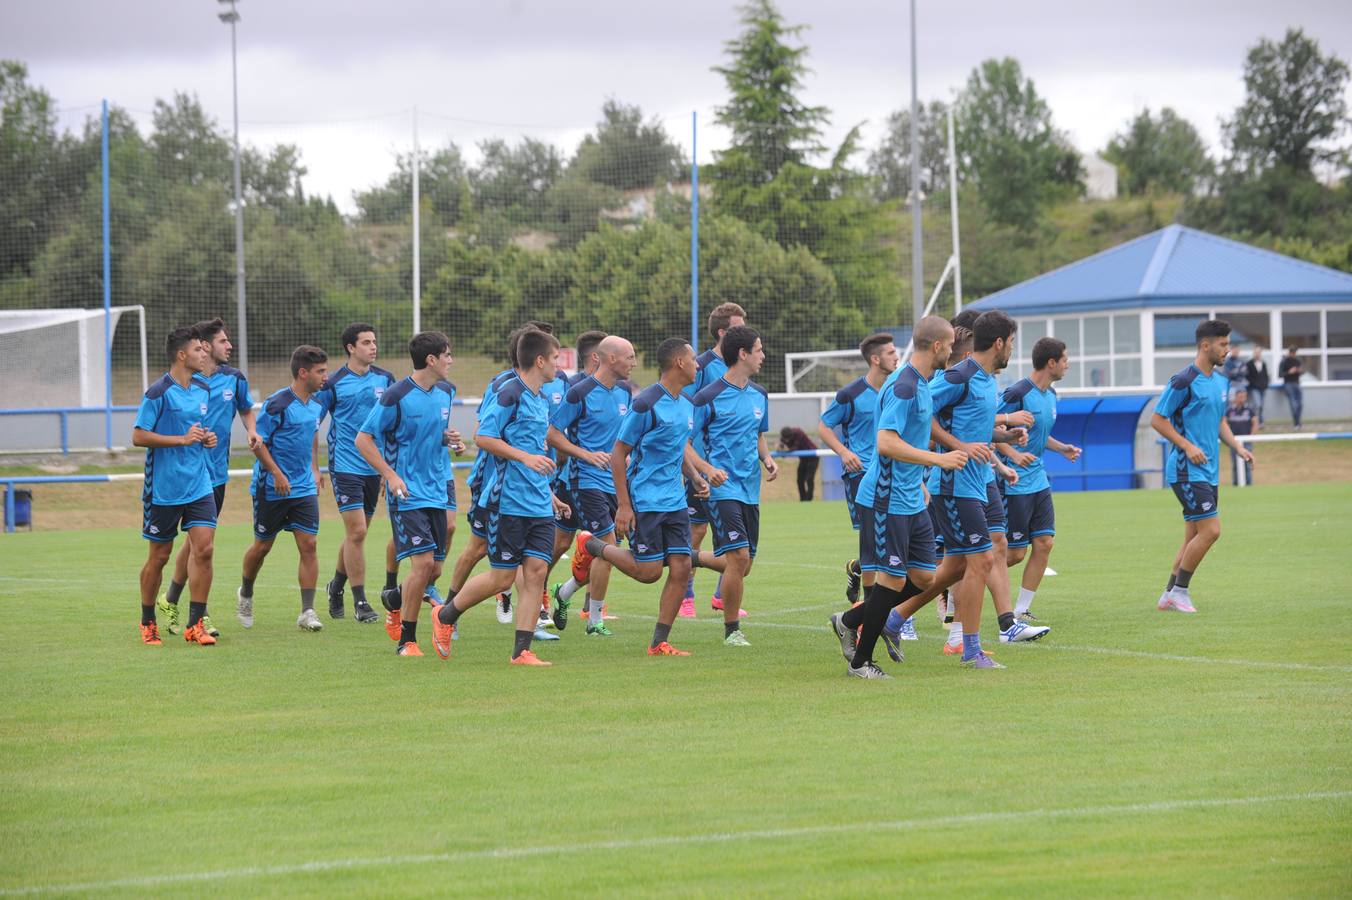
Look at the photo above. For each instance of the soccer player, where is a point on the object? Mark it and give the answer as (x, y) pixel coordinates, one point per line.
(177, 490)
(412, 423)
(286, 483)
(1190, 415)
(712, 365)
(347, 397)
(585, 427)
(517, 499)
(896, 539)
(1028, 502)
(853, 411)
(732, 416)
(229, 393)
(652, 450)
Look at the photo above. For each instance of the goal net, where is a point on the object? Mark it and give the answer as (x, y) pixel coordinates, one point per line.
(59, 357)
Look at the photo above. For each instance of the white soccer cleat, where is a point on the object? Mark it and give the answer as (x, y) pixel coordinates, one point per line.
(504, 609)
(243, 608)
(1166, 602)
(309, 621)
(1021, 631)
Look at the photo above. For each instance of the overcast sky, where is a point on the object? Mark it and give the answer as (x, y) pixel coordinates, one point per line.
(339, 78)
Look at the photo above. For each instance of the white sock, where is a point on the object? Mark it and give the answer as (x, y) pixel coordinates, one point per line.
(594, 610)
(955, 634)
(568, 589)
(1025, 601)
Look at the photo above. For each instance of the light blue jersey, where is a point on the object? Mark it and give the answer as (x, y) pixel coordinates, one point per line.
(904, 406)
(175, 475)
(590, 417)
(658, 429)
(476, 471)
(1195, 404)
(347, 398)
(229, 394)
(965, 398)
(728, 423)
(519, 416)
(288, 425)
(409, 426)
(1023, 394)
(854, 413)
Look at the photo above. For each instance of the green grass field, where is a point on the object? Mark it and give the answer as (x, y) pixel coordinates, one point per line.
(1133, 752)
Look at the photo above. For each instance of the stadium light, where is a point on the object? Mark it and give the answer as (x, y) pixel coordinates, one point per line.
(231, 17)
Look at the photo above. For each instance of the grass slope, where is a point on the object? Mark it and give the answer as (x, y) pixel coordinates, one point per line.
(1095, 764)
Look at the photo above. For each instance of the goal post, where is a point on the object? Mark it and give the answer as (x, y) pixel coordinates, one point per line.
(59, 357)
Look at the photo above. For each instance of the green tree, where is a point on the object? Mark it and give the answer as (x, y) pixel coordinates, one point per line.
(1295, 108)
(889, 165)
(443, 185)
(29, 186)
(1008, 146)
(626, 152)
(1160, 154)
(516, 180)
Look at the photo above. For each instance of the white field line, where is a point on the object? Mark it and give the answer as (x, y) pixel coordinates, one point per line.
(679, 840)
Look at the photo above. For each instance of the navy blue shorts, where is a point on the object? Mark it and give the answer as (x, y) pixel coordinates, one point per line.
(995, 508)
(963, 522)
(161, 523)
(573, 521)
(894, 543)
(351, 491)
(420, 530)
(936, 523)
(1199, 499)
(511, 539)
(697, 508)
(597, 512)
(735, 524)
(658, 535)
(851, 483)
(450, 494)
(1030, 516)
(218, 494)
(286, 514)
(478, 521)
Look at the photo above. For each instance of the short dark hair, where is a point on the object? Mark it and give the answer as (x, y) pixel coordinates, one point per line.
(306, 357)
(1212, 328)
(425, 344)
(207, 331)
(513, 339)
(720, 319)
(736, 339)
(352, 333)
(967, 318)
(540, 326)
(1047, 350)
(587, 342)
(177, 340)
(873, 343)
(532, 345)
(1293, 349)
(668, 351)
(991, 327)
(962, 341)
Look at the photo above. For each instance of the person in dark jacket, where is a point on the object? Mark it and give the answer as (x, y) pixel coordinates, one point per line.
(1289, 370)
(1258, 379)
(1243, 419)
(797, 439)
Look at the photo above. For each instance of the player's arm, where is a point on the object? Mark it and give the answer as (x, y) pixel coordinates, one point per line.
(559, 441)
(945, 439)
(249, 419)
(314, 461)
(1002, 435)
(1166, 430)
(1017, 457)
(891, 445)
(1229, 439)
(849, 460)
(624, 510)
(701, 468)
(280, 483)
(141, 437)
(1069, 451)
(763, 449)
(503, 450)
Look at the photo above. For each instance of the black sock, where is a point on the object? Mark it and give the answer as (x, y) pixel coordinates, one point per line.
(307, 599)
(881, 600)
(195, 612)
(448, 614)
(660, 633)
(596, 547)
(522, 642)
(730, 627)
(1184, 578)
(1173, 579)
(408, 632)
(1006, 621)
(246, 586)
(173, 592)
(148, 615)
(391, 579)
(358, 594)
(339, 580)
(854, 616)
(450, 595)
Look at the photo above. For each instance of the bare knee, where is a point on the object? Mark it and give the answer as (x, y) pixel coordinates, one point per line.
(1043, 543)
(922, 579)
(1016, 555)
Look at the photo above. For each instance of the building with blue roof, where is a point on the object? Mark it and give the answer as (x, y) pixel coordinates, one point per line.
(1127, 314)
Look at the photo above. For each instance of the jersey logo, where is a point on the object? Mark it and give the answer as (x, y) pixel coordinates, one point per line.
(690, 423)
(757, 411)
(378, 392)
(203, 407)
(732, 535)
(417, 539)
(556, 398)
(506, 554)
(642, 548)
(1206, 506)
(342, 498)
(1018, 535)
(894, 560)
(262, 528)
(445, 413)
(623, 409)
(227, 394)
(154, 529)
(976, 539)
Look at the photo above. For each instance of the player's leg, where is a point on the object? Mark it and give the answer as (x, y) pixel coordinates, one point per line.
(307, 576)
(158, 552)
(351, 565)
(598, 514)
(669, 601)
(475, 590)
(1202, 530)
(534, 569)
(253, 563)
(167, 605)
(424, 536)
(1041, 530)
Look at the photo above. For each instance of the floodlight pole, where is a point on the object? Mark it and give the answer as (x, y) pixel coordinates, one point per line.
(231, 18)
(417, 231)
(953, 209)
(917, 241)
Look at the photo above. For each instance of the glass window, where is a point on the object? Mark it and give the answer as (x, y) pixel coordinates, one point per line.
(1248, 328)
(1127, 372)
(1300, 329)
(1340, 367)
(1174, 331)
(1169, 366)
(1030, 331)
(1340, 328)
(1127, 334)
(1068, 330)
(1074, 376)
(1097, 373)
(1096, 335)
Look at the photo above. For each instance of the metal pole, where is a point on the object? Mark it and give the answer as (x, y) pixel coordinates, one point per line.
(107, 292)
(242, 334)
(694, 230)
(953, 210)
(417, 232)
(917, 240)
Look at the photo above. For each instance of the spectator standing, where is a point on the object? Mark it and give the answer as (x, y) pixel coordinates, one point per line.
(797, 439)
(1233, 370)
(1243, 420)
(1289, 370)
(1256, 374)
